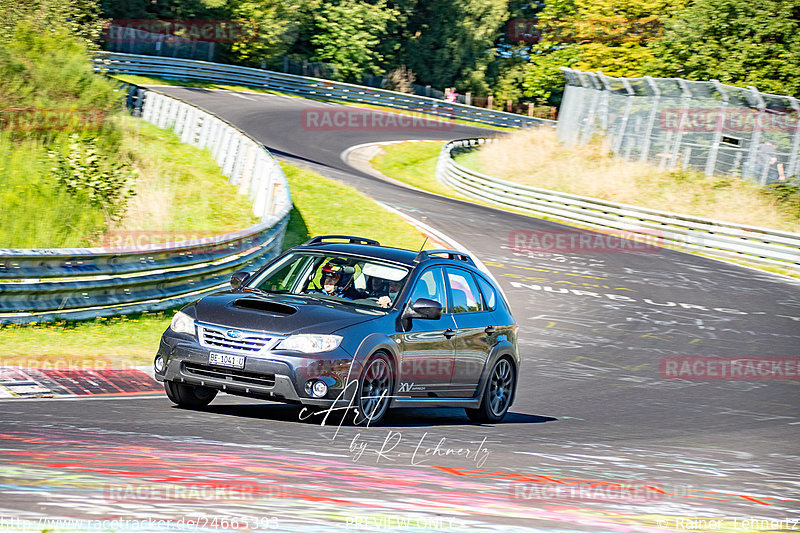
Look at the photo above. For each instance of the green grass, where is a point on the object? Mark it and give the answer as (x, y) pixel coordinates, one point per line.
(113, 342)
(36, 210)
(324, 206)
(151, 80)
(413, 163)
(321, 206)
(181, 188)
(39, 213)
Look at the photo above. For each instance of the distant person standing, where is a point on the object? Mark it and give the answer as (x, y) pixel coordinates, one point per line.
(768, 169)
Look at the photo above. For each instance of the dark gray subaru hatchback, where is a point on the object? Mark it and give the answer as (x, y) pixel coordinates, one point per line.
(342, 323)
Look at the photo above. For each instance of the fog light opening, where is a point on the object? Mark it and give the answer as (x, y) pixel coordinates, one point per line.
(319, 389)
(158, 364)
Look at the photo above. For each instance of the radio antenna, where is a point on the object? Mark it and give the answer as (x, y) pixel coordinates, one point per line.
(423, 245)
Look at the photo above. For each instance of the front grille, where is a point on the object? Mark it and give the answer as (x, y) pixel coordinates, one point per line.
(248, 343)
(229, 374)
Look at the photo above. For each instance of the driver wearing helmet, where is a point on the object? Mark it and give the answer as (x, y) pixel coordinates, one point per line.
(332, 276)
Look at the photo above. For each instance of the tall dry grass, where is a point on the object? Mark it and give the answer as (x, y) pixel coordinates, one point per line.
(536, 158)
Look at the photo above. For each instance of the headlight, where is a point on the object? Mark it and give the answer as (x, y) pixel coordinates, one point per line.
(182, 323)
(310, 343)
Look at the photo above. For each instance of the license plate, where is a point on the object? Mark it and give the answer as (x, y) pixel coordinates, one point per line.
(224, 359)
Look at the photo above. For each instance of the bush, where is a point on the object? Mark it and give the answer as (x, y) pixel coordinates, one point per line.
(63, 179)
(786, 195)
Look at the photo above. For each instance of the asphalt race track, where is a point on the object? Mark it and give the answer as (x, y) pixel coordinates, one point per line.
(600, 438)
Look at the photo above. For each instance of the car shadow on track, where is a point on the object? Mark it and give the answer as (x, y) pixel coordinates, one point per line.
(396, 418)
(452, 417)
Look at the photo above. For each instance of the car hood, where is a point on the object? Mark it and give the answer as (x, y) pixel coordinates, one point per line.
(282, 314)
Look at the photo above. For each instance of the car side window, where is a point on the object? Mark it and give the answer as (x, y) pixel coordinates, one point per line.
(463, 291)
(430, 285)
(489, 296)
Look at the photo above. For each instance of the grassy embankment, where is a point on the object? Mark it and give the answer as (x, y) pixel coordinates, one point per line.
(536, 158)
(101, 173)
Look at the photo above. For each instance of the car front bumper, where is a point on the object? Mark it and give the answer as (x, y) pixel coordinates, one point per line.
(276, 376)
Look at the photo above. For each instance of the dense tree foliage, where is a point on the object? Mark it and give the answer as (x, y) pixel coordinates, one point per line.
(739, 43)
(468, 44)
(451, 42)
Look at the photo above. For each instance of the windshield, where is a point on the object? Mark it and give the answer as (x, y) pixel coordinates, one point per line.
(332, 276)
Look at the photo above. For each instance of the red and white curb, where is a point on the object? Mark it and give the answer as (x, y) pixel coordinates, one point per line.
(49, 382)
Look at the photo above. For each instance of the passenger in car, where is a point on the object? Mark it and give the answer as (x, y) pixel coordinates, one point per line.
(391, 293)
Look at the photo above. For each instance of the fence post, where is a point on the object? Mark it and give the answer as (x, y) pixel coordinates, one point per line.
(793, 168)
(597, 94)
(651, 122)
(687, 98)
(749, 169)
(629, 102)
(711, 162)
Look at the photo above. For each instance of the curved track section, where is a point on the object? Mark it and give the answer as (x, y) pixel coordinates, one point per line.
(599, 438)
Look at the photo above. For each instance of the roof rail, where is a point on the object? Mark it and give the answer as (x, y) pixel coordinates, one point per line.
(320, 239)
(451, 254)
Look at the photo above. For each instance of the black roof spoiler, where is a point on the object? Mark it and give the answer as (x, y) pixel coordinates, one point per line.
(451, 254)
(321, 239)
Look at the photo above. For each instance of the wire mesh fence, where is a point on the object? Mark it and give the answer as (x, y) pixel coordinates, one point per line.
(137, 40)
(680, 124)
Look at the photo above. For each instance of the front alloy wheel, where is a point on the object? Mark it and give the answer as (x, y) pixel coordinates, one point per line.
(374, 390)
(497, 396)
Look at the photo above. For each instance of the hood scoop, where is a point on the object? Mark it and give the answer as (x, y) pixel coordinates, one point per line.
(266, 306)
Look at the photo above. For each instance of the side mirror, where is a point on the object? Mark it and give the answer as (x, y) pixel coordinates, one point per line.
(239, 279)
(424, 308)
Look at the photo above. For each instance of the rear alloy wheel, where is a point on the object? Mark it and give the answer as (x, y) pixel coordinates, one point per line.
(374, 391)
(497, 396)
(189, 395)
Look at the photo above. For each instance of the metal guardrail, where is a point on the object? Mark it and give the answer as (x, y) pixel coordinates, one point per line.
(75, 284)
(187, 69)
(760, 245)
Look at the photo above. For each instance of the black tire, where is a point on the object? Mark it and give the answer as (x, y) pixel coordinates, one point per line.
(374, 390)
(498, 394)
(189, 395)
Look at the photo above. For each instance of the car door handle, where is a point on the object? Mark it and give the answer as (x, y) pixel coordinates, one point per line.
(489, 330)
(449, 333)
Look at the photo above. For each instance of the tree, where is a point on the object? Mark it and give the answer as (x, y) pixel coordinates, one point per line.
(613, 36)
(346, 34)
(274, 26)
(80, 18)
(543, 80)
(739, 43)
(451, 42)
